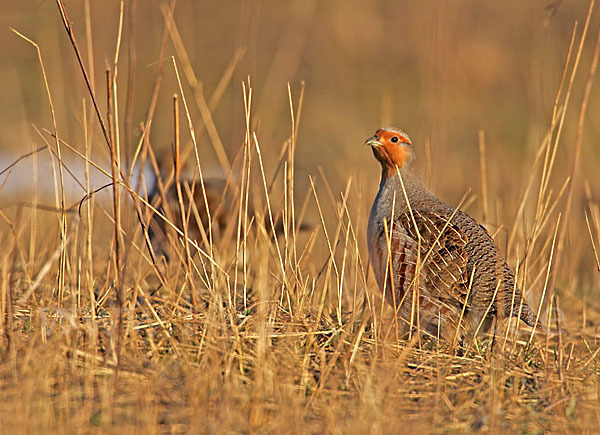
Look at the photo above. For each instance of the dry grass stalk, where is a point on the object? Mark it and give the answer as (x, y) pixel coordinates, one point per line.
(253, 330)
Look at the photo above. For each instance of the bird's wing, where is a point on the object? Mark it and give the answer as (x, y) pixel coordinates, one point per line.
(439, 249)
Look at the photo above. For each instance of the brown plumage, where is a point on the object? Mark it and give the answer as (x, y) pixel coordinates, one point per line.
(223, 202)
(427, 248)
(220, 200)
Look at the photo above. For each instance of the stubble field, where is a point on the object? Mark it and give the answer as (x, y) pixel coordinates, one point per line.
(116, 315)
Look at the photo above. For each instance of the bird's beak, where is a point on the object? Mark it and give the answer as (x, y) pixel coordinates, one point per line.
(373, 141)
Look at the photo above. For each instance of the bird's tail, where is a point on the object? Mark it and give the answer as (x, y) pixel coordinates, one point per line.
(528, 316)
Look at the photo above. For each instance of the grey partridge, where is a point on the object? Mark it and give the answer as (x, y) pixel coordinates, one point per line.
(223, 209)
(220, 202)
(437, 266)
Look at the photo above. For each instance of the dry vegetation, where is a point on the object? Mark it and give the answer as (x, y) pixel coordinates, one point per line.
(244, 331)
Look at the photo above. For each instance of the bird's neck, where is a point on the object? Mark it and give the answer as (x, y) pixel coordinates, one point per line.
(394, 189)
(409, 177)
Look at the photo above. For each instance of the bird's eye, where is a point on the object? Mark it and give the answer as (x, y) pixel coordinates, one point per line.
(394, 139)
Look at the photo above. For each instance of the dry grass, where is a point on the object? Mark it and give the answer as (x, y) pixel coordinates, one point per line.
(245, 330)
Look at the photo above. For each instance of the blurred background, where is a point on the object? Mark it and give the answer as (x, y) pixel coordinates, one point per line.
(441, 71)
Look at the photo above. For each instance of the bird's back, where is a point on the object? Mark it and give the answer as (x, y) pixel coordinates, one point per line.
(493, 280)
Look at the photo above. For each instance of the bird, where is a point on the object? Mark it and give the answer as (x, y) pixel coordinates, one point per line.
(436, 266)
(219, 198)
(211, 206)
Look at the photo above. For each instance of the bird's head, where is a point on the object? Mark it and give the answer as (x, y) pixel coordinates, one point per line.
(392, 147)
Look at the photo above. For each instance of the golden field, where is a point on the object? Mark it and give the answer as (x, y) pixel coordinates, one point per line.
(245, 331)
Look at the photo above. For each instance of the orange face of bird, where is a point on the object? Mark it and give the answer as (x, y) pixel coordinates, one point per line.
(392, 147)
